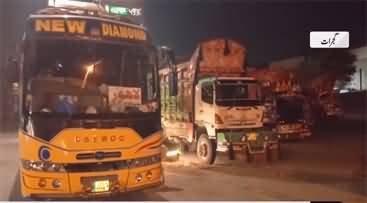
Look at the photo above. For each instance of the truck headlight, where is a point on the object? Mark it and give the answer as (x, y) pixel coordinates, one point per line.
(42, 166)
(173, 153)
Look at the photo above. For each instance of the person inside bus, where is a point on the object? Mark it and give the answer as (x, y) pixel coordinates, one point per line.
(66, 104)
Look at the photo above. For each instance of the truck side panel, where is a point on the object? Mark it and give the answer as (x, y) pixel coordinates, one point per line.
(177, 111)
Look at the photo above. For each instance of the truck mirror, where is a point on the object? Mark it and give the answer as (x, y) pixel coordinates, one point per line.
(172, 84)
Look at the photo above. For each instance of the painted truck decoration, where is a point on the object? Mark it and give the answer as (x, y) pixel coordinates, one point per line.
(288, 111)
(217, 108)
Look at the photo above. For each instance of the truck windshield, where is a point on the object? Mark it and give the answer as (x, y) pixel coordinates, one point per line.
(86, 77)
(290, 109)
(237, 93)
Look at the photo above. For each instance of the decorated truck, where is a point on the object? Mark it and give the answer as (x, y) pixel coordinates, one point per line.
(217, 108)
(324, 99)
(287, 111)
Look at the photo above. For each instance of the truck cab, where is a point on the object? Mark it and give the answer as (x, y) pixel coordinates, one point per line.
(229, 112)
(329, 105)
(293, 121)
(226, 104)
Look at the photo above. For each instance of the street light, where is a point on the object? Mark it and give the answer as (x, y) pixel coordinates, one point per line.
(90, 69)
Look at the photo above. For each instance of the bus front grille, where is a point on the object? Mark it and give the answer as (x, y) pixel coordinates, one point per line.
(96, 167)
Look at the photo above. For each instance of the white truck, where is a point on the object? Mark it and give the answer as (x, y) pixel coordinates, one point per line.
(216, 108)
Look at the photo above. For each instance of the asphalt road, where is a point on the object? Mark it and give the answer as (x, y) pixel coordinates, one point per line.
(327, 166)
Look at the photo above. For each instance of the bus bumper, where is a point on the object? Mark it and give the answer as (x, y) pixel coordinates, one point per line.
(79, 185)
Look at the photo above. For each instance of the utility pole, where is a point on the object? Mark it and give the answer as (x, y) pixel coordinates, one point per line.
(2, 53)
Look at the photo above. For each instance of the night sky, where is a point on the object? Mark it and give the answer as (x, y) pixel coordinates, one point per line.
(269, 30)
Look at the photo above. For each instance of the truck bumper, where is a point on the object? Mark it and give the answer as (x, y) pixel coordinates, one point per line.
(294, 134)
(239, 140)
(334, 114)
(79, 185)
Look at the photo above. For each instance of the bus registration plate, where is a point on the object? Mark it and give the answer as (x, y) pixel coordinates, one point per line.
(101, 186)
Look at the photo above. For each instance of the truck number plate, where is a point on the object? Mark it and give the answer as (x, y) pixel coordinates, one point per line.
(101, 186)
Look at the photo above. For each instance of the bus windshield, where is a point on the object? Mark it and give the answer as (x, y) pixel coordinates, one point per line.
(78, 77)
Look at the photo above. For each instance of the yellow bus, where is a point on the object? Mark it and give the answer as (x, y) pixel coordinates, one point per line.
(89, 105)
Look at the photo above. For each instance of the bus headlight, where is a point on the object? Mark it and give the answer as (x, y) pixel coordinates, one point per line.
(42, 166)
(140, 162)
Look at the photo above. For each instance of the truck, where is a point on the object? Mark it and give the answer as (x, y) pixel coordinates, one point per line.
(217, 108)
(287, 111)
(89, 123)
(324, 98)
(293, 121)
(330, 105)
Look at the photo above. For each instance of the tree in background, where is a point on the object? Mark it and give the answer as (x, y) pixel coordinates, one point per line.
(337, 63)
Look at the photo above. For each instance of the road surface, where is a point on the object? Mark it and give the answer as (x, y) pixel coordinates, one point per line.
(327, 166)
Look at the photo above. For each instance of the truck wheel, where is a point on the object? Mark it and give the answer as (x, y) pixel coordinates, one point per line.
(206, 150)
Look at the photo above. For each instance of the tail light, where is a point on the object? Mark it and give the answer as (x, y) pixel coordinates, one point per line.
(218, 119)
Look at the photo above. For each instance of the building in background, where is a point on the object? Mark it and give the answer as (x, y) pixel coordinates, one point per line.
(359, 79)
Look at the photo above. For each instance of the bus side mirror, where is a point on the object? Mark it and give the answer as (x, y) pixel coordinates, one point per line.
(172, 77)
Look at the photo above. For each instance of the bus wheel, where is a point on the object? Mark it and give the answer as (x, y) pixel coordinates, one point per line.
(206, 150)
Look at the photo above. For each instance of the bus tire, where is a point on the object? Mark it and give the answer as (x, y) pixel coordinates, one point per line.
(206, 150)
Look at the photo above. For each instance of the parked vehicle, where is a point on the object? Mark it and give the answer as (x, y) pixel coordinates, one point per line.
(292, 117)
(217, 107)
(89, 105)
